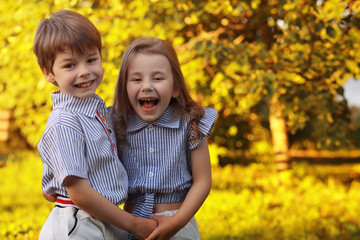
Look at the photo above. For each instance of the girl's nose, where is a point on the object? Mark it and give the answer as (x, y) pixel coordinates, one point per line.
(146, 85)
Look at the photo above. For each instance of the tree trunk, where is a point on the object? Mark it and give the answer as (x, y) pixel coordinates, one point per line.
(279, 136)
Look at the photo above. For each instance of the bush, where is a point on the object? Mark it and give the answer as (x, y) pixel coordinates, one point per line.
(245, 202)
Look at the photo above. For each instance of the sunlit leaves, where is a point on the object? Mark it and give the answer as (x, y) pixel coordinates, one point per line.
(235, 55)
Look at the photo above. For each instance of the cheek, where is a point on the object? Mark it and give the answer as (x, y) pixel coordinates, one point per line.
(131, 91)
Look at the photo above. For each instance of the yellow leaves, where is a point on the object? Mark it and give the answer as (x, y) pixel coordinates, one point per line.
(192, 19)
(298, 79)
(333, 9)
(219, 85)
(215, 151)
(234, 67)
(232, 131)
(289, 6)
(329, 118)
(291, 77)
(178, 41)
(352, 66)
(355, 7)
(255, 4)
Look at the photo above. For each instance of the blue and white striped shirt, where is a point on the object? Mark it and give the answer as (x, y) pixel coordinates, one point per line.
(158, 157)
(79, 141)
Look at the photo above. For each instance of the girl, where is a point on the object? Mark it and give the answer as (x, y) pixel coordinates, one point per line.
(162, 134)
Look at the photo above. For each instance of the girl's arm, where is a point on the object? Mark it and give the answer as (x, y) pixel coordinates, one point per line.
(201, 172)
(91, 201)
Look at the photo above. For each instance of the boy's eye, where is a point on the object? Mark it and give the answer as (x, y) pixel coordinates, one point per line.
(70, 65)
(92, 60)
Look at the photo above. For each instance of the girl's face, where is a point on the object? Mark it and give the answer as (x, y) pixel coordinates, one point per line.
(150, 85)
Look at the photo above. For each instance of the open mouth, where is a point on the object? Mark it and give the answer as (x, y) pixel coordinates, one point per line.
(84, 85)
(148, 104)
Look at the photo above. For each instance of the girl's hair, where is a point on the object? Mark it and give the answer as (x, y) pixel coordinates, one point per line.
(184, 104)
(64, 29)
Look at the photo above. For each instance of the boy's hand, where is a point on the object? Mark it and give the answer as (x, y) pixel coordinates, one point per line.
(50, 197)
(144, 227)
(167, 228)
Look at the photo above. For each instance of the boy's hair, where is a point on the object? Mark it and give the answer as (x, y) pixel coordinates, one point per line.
(64, 29)
(184, 104)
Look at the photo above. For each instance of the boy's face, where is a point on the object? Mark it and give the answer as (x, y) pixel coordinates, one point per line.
(75, 74)
(150, 85)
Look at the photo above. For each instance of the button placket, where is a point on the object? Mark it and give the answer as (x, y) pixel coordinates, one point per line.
(151, 153)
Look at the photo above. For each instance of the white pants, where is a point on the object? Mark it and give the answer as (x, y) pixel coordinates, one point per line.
(189, 232)
(71, 223)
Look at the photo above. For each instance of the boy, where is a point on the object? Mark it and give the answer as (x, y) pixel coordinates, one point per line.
(78, 149)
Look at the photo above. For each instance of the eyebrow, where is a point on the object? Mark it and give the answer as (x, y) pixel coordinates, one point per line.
(69, 59)
(139, 73)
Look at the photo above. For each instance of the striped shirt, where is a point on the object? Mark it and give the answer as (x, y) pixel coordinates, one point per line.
(158, 157)
(79, 141)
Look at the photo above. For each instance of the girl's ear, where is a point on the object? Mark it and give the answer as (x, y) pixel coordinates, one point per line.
(175, 93)
(48, 75)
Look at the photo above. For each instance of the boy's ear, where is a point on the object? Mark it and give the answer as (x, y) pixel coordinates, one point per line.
(48, 75)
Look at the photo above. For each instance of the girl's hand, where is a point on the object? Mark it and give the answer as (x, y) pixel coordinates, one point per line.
(50, 197)
(144, 227)
(168, 227)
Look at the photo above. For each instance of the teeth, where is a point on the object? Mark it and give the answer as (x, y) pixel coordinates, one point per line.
(148, 99)
(84, 84)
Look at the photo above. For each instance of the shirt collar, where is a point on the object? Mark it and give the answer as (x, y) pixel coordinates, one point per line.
(168, 119)
(85, 106)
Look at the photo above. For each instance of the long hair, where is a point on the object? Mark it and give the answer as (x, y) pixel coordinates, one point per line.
(184, 104)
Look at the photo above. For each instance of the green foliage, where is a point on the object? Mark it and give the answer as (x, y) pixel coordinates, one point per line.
(235, 55)
(314, 202)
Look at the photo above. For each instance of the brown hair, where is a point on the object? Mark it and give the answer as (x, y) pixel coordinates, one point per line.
(64, 29)
(184, 104)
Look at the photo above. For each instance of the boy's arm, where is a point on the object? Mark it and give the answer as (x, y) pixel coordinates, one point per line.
(201, 172)
(49, 197)
(91, 201)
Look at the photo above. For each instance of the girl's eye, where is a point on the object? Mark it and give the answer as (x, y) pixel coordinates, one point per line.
(158, 78)
(92, 60)
(135, 79)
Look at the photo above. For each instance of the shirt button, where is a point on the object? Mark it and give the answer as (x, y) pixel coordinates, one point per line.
(151, 174)
(151, 127)
(151, 150)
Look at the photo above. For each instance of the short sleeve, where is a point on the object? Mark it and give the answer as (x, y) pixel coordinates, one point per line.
(205, 126)
(62, 150)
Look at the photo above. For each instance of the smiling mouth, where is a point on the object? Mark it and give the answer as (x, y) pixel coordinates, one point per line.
(85, 85)
(148, 104)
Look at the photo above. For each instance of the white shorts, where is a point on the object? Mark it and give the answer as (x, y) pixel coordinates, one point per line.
(71, 223)
(189, 232)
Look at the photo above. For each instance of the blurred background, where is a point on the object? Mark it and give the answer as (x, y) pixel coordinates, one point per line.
(282, 74)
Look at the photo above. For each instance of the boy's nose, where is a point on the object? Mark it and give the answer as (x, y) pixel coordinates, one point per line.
(83, 70)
